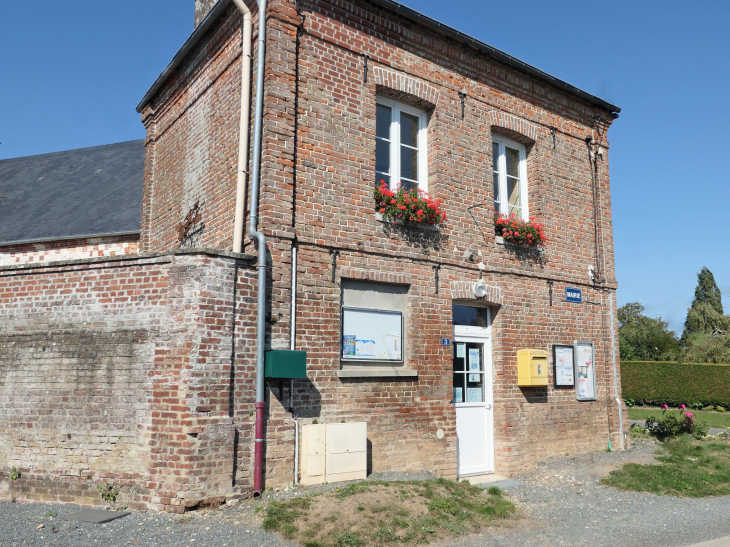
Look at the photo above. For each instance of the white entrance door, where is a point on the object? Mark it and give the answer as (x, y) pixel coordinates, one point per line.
(473, 398)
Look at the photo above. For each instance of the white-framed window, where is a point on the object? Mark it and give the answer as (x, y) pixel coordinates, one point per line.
(401, 155)
(510, 177)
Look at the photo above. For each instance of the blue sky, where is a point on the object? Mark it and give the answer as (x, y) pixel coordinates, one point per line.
(73, 72)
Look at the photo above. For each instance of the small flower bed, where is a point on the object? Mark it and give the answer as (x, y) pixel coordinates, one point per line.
(412, 207)
(517, 231)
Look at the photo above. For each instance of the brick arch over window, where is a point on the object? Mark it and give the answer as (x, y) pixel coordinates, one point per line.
(402, 83)
(464, 290)
(513, 123)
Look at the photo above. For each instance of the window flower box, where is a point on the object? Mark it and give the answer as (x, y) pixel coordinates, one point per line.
(515, 231)
(410, 207)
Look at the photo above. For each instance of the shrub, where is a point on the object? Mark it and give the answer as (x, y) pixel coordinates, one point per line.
(675, 383)
(720, 408)
(664, 428)
(700, 430)
(670, 426)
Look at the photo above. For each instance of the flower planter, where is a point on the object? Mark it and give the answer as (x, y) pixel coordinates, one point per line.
(396, 222)
(410, 208)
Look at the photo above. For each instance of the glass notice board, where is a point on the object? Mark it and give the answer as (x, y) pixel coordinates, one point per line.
(585, 371)
(564, 366)
(372, 335)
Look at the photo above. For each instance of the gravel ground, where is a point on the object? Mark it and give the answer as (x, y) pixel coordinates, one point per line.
(561, 503)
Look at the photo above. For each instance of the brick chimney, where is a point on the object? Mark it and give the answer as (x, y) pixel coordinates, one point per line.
(202, 7)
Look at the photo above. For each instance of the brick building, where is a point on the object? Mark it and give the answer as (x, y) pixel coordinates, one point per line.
(165, 341)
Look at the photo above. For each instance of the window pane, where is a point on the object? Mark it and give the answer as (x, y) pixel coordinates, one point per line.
(516, 210)
(408, 130)
(513, 192)
(497, 197)
(495, 157)
(408, 184)
(513, 161)
(380, 177)
(469, 316)
(382, 156)
(383, 123)
(408, 163)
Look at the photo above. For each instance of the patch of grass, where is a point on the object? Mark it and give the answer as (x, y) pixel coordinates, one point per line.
(348, 539)
(281, 514)
(719, 420)
(374, 514)
(687, 468)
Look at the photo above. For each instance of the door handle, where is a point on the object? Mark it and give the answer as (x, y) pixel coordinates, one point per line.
(488, 407)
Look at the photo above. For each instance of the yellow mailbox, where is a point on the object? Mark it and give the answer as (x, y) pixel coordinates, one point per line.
(532, 367)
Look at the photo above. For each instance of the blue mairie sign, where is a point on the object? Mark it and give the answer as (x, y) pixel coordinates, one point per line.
(446, 341)
(573, 295)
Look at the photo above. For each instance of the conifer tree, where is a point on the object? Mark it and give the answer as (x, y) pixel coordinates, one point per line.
(706, 312)
(707, 290)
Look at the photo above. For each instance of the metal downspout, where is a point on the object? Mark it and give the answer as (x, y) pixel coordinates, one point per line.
(243, 143)
(258, 236)
(615, 373)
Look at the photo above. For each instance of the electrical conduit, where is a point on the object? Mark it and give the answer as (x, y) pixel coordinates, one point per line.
(253, 225)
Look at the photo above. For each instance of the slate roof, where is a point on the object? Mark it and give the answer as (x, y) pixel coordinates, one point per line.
(79, 193)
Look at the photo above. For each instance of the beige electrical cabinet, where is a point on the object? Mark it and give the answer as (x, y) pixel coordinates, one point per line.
(532, 367)
(314, 438)
(334, 453)
(347, 452)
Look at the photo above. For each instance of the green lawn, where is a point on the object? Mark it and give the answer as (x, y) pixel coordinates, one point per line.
(719, 420)
(688, 468)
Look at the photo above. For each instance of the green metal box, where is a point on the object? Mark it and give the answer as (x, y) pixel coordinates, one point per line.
(285, 364)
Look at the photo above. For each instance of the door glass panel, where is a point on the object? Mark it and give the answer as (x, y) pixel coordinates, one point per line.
(470, 317)
(468, 372)
(459, 390)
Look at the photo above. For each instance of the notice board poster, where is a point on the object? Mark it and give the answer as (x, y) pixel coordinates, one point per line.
(564, 366)
(585, 371)
(372, 335)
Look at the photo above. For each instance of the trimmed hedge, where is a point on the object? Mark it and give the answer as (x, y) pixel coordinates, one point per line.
(675, 383)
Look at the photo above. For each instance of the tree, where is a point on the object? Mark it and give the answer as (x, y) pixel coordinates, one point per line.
(707, 290)
(643, 338)
(706, 314)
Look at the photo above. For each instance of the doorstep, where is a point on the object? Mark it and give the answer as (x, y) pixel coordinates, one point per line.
(483, 479)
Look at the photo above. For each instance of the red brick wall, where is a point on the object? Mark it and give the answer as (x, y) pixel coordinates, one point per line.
(317, 181)
(122, 371)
